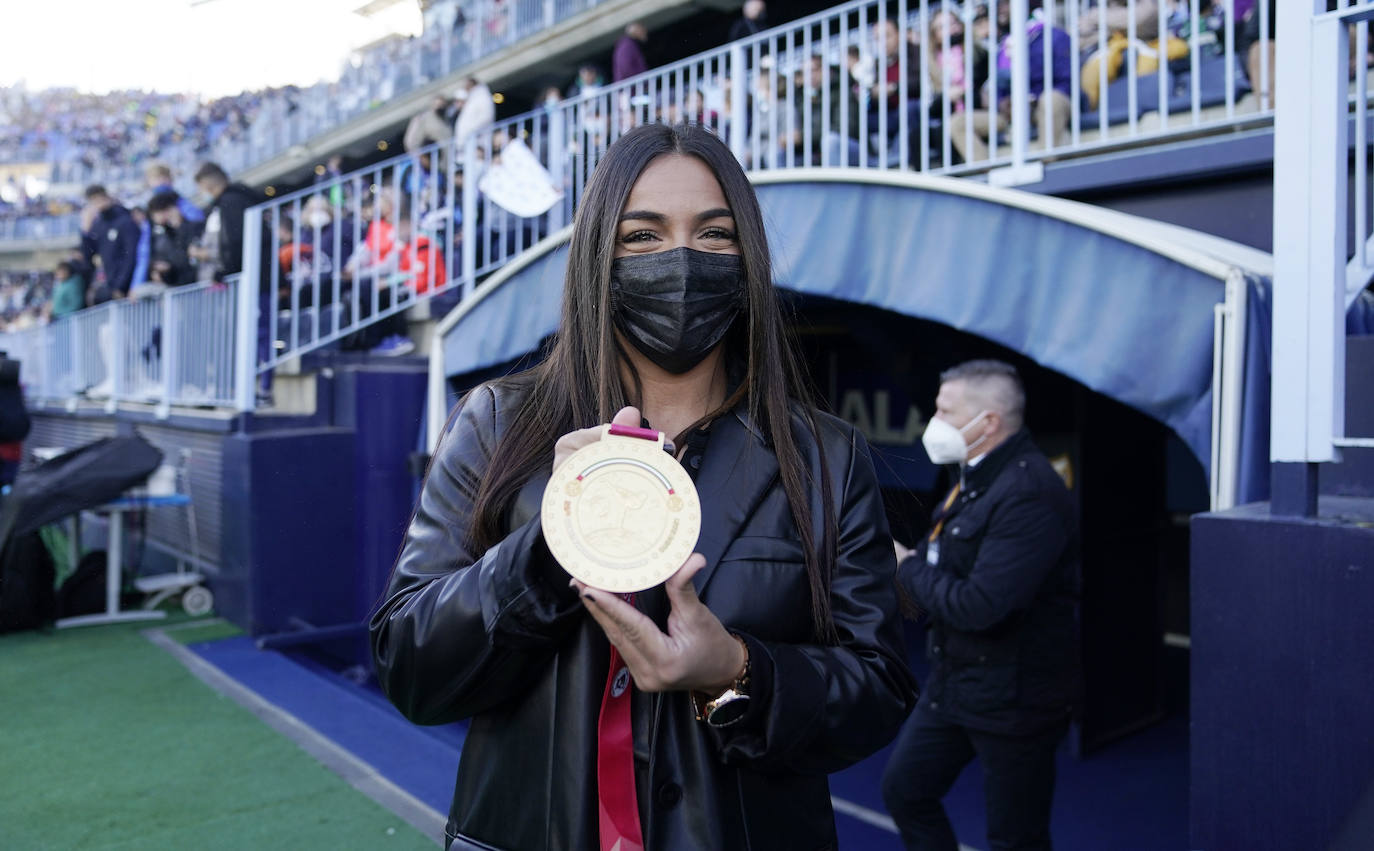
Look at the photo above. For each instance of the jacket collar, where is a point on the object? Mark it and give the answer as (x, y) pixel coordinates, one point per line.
(978, 478)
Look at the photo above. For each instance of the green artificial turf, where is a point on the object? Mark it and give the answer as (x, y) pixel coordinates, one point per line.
(108, 742)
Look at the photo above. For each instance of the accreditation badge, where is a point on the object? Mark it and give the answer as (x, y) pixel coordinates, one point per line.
(933, 553)
(621, 514)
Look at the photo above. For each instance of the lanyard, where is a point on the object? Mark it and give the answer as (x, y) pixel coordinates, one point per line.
(944, 510)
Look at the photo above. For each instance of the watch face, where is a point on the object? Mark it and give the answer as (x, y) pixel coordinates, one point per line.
(729, 711)
(621, 514)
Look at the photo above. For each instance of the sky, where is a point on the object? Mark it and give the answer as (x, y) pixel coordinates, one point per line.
(209, 47)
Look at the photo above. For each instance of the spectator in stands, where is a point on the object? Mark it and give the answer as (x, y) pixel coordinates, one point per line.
(223, 250)
(69, 294)
(1115, 17)
(627, 60)
(478, 110)
(998, 576)
(1049, 98)
(158, 176)
(76, 260)
(323, 232)
(762, 108)
(288, 255)
(809, 106)
(1248, 46)
(588, 81)
(340, 192)
(224, 224)
(946, 66)
(753, 19)
(179, 237)
(420, 259)
(890, 49)
(548, 101)
(431, 125)
(109, 233)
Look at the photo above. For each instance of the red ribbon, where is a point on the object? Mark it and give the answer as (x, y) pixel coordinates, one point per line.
(615, 762)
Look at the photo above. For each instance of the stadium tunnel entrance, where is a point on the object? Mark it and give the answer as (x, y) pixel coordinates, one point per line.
(1109, 318)
(1135, 483)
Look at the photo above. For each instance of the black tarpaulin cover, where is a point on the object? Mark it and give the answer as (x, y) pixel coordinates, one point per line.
(84, 478)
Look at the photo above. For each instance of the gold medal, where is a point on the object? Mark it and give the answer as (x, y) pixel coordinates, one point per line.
(621, 514)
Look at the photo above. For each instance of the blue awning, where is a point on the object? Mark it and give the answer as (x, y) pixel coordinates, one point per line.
(1120, 304)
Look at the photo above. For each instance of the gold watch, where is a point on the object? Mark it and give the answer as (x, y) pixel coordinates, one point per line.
(730, 706)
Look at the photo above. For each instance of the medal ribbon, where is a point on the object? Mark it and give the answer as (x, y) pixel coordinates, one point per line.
(615, 761)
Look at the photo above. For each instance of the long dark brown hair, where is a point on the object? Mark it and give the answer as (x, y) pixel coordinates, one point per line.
(579, 385)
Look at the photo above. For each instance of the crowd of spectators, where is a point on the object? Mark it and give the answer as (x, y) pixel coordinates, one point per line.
(788, 96)
(86, 138)
(25, 299)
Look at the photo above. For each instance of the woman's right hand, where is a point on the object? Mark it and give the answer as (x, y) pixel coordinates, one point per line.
(575, 440)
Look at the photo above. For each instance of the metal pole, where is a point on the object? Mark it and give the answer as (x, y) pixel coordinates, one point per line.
(167, 355)
(1020, 84)
(246, 354)
(470, 211)
(739, 94)
(1310, 185)
(114, 366)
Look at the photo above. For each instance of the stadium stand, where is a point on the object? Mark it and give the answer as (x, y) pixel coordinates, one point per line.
(280, 339)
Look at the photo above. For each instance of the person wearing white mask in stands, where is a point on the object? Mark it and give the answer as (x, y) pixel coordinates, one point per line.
(998, 576)
(478, 110)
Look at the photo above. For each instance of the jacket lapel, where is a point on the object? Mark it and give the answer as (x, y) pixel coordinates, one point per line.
(736, 473)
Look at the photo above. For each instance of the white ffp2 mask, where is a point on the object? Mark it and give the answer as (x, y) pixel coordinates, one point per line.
(945, 444)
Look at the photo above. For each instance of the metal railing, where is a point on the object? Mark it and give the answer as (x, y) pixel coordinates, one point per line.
(854, 87)
(864, 85)
(23, 228)
(169, 347)
(1320, 267)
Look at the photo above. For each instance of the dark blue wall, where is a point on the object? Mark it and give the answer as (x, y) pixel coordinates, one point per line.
(384, 407)
(1282, 744)
(287, 549)
(315, 507)
(1239, 207)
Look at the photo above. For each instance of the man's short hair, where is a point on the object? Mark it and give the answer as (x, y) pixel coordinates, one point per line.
(211, 171)
(96, 190)
(159, 170)
(996, 385)
(63, 270)
(163, 200)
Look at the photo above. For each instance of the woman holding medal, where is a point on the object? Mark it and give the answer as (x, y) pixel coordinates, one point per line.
(703, 712)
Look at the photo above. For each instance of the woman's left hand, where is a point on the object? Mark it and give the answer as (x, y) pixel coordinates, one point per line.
(695, 653)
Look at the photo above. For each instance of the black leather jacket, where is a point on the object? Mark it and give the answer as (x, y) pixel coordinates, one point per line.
(500, 638)
(1002, 594)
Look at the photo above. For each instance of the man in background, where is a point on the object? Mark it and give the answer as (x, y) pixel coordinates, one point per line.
(753, 19)
(998, 575)
(178, 238)
(158, 176)
(628, 58)
(432, 125)
(109, 233)
(224, 223)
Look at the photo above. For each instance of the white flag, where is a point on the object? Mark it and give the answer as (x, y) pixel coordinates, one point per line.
(519, 184)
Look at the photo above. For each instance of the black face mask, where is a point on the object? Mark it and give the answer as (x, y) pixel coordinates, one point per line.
(675, 306)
